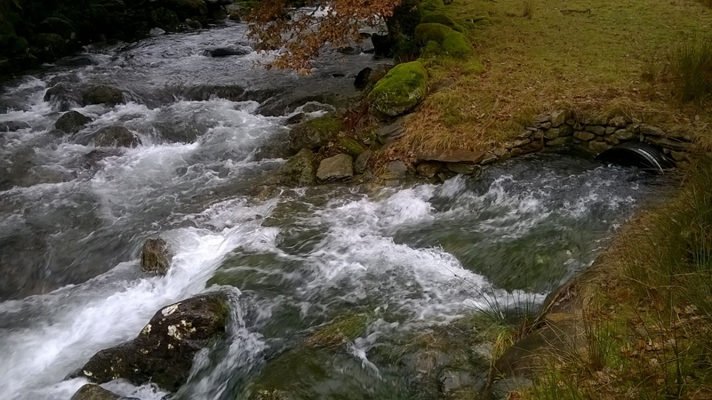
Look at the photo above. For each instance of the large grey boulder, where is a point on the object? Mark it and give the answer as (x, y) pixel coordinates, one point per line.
(164, 350)
(156, 257)
(338, 167)
(116, 136)
(72, 122)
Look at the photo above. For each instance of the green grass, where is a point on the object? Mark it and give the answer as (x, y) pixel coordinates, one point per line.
(691, 63)
(572, 53)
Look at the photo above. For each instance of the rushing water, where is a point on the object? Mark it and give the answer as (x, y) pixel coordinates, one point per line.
(405, 260)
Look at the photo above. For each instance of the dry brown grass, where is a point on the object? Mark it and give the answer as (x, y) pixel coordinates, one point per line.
(586, 56)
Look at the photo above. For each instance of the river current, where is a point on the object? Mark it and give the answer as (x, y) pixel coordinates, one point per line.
(409, 259)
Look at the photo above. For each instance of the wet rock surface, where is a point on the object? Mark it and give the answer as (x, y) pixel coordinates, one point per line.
(95, 392)
(339, 167)
(164, 350)
(116, 136)
(156, 257)
(72, 122)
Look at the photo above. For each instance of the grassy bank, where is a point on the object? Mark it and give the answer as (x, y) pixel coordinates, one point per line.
(609, 56)
(643, 314)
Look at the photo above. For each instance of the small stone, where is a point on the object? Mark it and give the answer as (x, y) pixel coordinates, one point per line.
(489, 159)
(397, 167)
(612, 140)
(335, 168)
(428, 169)
(570, 122)
(454, 380)
(558, 141)
(524, 134)
(521, 142)
(649, 130)
(619, 121)
(559, 118)
(635, 128)
(545, 125)
(453, 156)
(500, 152)
(538, 135)
(391, 132)
(516, 152)
(584, 136)
(462, 169)
(598, 147)
(542, 118)
(155, 257)
(552, 133)
(533, 146)
(598, 130)
(678, 156)
(610, 130)
(362, 161)
(566, 130)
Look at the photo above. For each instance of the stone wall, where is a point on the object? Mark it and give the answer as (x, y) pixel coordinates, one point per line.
(560, 128)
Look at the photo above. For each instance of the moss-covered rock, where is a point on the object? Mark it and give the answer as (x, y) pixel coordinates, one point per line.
(338, 332)
(315, 133)
(432, 5)
(164, 350)
(57, 25)
(437, 18)
(352, 146)
(456, 45)
(432, 49)
(431, 31)
(300, 170)
(403, 88)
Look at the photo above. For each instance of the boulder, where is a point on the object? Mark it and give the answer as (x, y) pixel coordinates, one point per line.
(336, 168)
(102, 94)
(395, 170)
(361, 80)
(431, 31)
(72, 122)
(314, 133)
(115, 136)
(94, 392)
(403, 88)
(428, 169)
(585, 136)
(456, 45)
(155, 257)
(361, 163)
(351, 146)
(559, 118)
(63, 96)
(300, 170)
(163, 352)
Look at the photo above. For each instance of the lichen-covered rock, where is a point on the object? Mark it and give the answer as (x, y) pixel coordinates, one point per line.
(94, 392)
(115, 136)
(431, 31)
(361, 163)
(102, 94)
(300, 170)
(72, 122)
(155, 257)
(314, 133)
(339, 167)
(456, 45)
(351, 146)
(403, 88)
(442, 19)
(164, 350)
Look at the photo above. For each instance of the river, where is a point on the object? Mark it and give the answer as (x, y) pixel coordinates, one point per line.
(407, 260)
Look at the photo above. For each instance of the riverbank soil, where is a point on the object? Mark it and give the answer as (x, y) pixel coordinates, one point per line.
(608, 57)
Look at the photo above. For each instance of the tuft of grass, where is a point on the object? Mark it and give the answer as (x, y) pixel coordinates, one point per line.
(528, 11)
(691, 63)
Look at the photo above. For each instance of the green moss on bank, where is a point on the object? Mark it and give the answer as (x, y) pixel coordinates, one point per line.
(403, 88)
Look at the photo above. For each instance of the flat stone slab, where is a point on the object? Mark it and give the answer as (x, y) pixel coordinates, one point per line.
(453, 156)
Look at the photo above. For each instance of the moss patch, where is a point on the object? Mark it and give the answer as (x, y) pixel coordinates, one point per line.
(403, 88)
(456, 45)
(430, 31)
(339, 332)
(442, 19)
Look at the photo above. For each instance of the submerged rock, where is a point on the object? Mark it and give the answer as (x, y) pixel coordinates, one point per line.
(228, 51)
(300, 170)
(72, 122)
(12, 126)
(164, 350)
(94, 392)
(403, 88)
(156, 257)
(116, 136)
(102, 94)
(335, 168)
